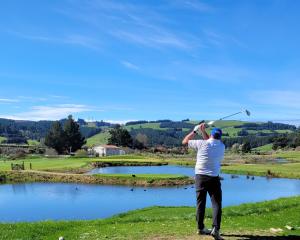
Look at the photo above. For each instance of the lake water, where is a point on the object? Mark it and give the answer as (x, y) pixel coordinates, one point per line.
(57, 201)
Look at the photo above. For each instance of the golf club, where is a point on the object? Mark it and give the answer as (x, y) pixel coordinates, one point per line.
(247, 112)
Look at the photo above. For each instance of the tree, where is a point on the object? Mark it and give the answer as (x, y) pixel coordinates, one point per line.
(280, 142)
(120, 137)
(55, 138)
(142, 138)
(73, 138)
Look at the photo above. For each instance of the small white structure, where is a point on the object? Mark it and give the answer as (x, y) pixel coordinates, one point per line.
(107, 150)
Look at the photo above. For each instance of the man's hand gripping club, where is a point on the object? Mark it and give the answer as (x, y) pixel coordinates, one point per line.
(200, 127)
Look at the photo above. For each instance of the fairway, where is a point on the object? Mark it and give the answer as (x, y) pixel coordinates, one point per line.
(48, 164)
(288, 170)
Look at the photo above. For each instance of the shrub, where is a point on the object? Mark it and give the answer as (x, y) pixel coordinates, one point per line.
(51, 152)
(81, 153)
(18, 155)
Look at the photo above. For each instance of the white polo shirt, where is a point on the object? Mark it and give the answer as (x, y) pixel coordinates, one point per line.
(210, 153)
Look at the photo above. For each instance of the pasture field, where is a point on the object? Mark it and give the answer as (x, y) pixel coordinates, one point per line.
(264, 148)
(98, 139)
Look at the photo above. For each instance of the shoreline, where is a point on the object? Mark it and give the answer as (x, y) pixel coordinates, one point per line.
(7, 177)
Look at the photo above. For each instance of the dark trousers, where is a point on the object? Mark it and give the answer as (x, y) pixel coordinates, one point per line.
(212, 185)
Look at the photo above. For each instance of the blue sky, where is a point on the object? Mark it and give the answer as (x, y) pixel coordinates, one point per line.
(133, 60)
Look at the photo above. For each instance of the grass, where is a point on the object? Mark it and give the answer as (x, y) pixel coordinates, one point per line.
(288, 170)
(168, 223)
(145, 125)
(98, 139)
(107, 179)
(2, 139)
(48, 164)
(33, 142)
(264, 148)
(145, 176)
(289, 155)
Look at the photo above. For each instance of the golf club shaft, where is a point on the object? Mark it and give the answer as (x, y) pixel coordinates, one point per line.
(230, 115)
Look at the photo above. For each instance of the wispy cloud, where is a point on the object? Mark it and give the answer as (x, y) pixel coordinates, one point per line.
(228, 73)
(130, 65)
(193, 5)
(220, 39)
(135, 23)
(8, 100)
(153, 39)
(281, 98)
(70, 39)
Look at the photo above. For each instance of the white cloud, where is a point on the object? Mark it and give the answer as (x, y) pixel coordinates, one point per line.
(54, 112)
(119, 121)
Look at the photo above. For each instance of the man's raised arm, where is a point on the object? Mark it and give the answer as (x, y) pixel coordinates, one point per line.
(191, 135)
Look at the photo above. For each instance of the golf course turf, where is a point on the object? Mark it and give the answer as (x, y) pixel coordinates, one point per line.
(251, 221)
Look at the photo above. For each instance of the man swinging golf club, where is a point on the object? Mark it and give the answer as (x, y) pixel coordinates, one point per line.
(210, 153)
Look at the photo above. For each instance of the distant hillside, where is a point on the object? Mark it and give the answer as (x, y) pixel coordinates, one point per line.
(161, 132)
(170, 133)
(30, 132)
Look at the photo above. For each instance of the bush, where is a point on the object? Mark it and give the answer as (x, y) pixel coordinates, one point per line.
(51, 152)
(18, 155)
(81, 153)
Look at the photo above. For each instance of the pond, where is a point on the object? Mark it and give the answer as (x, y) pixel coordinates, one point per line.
(167, 169)
(66, 201)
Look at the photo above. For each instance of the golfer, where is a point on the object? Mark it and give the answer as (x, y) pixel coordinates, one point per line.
(210, 153)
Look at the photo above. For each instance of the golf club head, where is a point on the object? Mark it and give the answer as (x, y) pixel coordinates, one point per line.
(207, 125)
(247, 112)
(210, 123)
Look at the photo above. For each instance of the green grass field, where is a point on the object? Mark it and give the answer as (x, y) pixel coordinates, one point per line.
(2, 139)
(145, 176)
(33, 142)
(48, 164)
(264, 148)
(247, 221)
(289, 155)
(288, 170)
(145, 125)
(98, 139)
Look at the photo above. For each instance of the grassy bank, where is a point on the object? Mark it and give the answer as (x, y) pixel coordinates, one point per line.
(288, 170)
(234, 164)
(108, 179)
(247, 221)
(61, 164)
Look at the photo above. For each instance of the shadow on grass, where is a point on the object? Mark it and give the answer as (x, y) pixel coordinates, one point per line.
(253, 237)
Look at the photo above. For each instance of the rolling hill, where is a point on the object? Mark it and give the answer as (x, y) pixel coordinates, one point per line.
(169, 131)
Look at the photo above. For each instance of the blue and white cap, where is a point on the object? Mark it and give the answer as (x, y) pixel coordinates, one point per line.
(216, 133)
